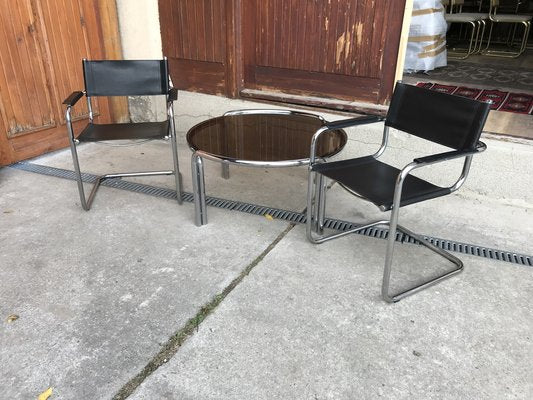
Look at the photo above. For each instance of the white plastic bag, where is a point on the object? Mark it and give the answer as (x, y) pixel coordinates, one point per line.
(426, 46)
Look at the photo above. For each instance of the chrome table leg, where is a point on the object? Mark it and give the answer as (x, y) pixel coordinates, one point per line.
(198, 183)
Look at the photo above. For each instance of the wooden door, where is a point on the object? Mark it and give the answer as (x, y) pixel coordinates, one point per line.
(195, 40)
(42, 43)
(340, 49)
(343, 49)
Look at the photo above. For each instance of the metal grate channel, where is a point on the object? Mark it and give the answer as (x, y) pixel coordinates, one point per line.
(291, 216)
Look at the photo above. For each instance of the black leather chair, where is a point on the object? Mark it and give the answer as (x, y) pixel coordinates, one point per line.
(124, 78)
(452, 121)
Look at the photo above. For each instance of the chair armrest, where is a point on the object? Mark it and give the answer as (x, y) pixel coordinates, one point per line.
(450, 155)
(345, 123)
(340, 124)
(173, 94)
(73, 98)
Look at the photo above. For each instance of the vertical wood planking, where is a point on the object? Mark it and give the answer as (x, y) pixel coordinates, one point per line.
(319, 36)
(208, 34)
(23, 83)
(68, 45)
(200, 31)
(193, 29)
(349, 29)
(190, 28)
(329, 36)
(371, 66)
(23, 69)
(37, 88)
(219, 22)
(9, 83)
(65, 71)
(26, 86)
(395, 15)
(166, 18)
(309, 26)
(268, 40)
(341, 38)
(262, 31)
(41, 46)
(290, 45)
(277, 31)
(379, 33)
(201, 59)
(305, 41)
(184, 37)
(233, 68)
(119, 107)
(46, 94)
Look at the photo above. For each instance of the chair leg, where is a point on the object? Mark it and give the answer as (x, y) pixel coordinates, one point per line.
(391, 240)
(482, 25)
(316, 199)
(320, 207)
(174, 144)
(85, 203)
(474, 35)
(484, 51)
(77, 171)
(510, 54)
(527, 27)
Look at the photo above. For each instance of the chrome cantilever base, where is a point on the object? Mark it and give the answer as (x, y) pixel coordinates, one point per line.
(385, 291)
(315, 227)
(86, 203)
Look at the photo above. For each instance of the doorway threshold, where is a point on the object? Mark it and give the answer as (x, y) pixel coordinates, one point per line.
(313, 101)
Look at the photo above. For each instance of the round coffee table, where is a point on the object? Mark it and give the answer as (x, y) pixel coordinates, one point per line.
(256, 138)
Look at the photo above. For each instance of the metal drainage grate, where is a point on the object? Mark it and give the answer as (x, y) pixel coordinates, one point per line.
(291, 216)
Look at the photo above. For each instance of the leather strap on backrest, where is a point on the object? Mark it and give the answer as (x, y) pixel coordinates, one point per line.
(449, 120)
(125, 77)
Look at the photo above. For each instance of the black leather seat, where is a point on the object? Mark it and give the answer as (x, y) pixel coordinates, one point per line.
(124, 131)
(370, 171)
(124, 78)
(451, 121)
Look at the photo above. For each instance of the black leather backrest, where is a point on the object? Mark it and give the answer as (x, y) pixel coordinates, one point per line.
(449, 120)
(125, 77)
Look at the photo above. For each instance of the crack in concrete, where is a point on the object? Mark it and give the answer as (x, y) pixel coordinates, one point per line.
(173, 344)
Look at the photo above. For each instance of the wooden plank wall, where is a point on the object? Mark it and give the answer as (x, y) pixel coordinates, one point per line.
(344, 49)
(23, 75)
(194, 40)
(340, 48)
(321, 36)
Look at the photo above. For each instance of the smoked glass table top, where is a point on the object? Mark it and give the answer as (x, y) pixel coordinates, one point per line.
(263, 138)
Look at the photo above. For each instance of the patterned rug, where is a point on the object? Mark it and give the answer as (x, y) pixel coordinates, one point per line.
(520, 103)
(464, 73)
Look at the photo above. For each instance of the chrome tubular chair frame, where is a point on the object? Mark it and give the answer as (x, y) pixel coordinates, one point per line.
(517, 20)
(316, 200)
(477, 23)
(87, 202)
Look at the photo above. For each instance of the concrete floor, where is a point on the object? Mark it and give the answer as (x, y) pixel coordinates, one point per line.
(131, 299)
